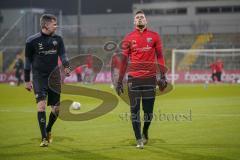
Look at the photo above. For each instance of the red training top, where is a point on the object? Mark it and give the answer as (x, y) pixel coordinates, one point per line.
(213, 67)
(78, 70)
(219, 66)
(144, 51)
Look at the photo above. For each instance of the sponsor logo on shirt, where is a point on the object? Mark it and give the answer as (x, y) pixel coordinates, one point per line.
(48, 52)
(55, 43)
(134, 42)
(40, 46)
(149, 39)
(144, 49)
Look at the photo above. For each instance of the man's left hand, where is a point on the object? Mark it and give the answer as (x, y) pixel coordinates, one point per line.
(162, 83)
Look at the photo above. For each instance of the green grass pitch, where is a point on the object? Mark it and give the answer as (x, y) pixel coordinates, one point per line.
(212, 133)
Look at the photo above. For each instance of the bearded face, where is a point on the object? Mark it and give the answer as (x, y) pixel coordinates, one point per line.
(140, 21)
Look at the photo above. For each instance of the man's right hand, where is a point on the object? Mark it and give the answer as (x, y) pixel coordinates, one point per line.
(119, 88)
(28, 86)
(67, 71)
(162, 83)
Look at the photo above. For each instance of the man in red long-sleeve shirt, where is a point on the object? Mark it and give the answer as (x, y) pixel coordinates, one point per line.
(142, 59)
(213, 69)
(219, 69)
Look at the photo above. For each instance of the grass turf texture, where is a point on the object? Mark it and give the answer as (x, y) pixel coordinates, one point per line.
(212, 133)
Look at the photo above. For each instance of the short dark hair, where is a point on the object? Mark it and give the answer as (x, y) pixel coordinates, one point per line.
(139, 12)
(45, 18)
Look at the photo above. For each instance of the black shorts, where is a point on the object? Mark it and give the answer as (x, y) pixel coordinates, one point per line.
(43, 91)
(141, 88)
(214, 77)
(219, 75)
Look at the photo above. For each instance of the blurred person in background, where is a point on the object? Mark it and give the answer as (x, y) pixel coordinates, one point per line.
(18, 68)
(78, 72)
(219, 69)
(88, 70)
(213, 71)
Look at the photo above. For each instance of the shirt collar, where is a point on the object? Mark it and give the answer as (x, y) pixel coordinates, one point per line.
(47, 35)
(136, 29)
